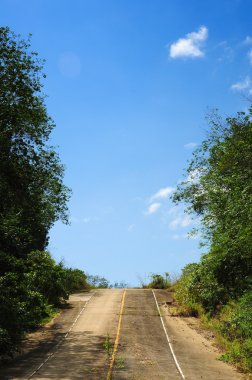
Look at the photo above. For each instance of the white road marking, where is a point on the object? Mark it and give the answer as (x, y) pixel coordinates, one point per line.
(61, 341)
(168, 339)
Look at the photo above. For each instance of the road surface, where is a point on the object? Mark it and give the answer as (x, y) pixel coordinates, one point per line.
(79, 345)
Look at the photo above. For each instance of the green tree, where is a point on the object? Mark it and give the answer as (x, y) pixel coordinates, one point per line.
(46, 277)
(218, 189)
(76, 279)
(32, 193)
(98, 281)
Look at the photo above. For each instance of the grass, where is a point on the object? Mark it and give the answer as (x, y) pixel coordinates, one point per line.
(119, 363)
(52, 312)
(231, 325)
(108, 346)
(235, 344)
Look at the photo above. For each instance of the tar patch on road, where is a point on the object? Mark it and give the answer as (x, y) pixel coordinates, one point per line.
(143, 350)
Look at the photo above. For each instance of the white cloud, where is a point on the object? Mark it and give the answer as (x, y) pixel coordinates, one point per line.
(176, 237)
(246, 84)
(86, 220)
(73, 219)
(69, 64)
(181, 221)
(177, 219)
(180, 236)
(162, 193)
(194, 176)
(250, 56)
(131, 227)
(248, 40)
(226, 52)
(153, 208)
(173, 210)
(190, 46)
(190, 145)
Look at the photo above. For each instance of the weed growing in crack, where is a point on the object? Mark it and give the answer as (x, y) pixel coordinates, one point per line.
(119, 363)
(108, 345)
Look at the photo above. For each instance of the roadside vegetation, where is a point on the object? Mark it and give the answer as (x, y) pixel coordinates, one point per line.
(218, 191)
(32, 198)
(158, 281)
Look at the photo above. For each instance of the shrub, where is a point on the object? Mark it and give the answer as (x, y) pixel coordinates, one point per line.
(235, 325)
(159, 282)
(47, 277)
(76, 279)
(30, 289)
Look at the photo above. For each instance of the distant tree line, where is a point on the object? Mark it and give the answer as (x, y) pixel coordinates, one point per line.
(218, 190)
(32, 198)
(102, 283)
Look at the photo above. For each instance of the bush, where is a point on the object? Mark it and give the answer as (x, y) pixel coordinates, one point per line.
(237, 318)
(21, 309)
(76, 279)
(199, 285)
(47, 277)
(30, 289)
(235, 325)
(6, 345)
(159, 282)
(198, 293)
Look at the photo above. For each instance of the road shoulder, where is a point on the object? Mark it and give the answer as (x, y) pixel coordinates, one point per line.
(39, 343)
(197, 354)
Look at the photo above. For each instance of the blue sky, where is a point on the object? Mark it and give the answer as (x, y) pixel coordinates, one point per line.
(129, 84)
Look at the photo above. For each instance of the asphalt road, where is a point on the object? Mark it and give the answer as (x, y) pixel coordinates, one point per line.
(77, 345)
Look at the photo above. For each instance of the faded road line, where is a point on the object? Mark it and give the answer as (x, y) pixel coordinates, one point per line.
(61, 341)
(117, 338)
(168, 339)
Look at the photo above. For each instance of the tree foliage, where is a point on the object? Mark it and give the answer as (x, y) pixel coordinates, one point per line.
(219, 190)
(158, 281)
(32, 197)
(98, 281)
(30, 289)
(32, 193)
